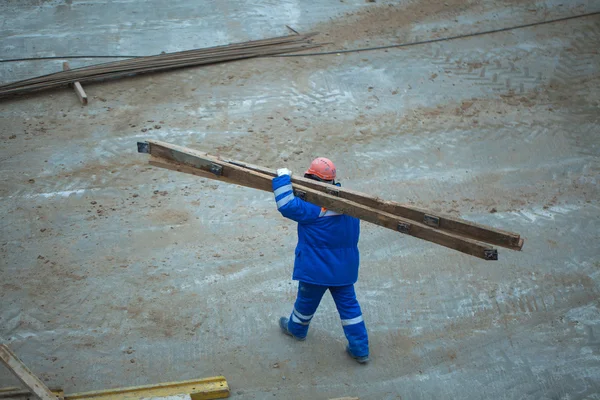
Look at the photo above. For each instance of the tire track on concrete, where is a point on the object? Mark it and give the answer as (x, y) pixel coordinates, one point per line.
(500, 75)
(577, 69)
(577, 62)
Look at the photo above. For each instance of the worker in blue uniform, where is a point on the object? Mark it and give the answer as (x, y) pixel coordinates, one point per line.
(327, 258)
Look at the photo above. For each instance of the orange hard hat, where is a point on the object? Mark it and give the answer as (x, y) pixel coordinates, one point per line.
(323, 168)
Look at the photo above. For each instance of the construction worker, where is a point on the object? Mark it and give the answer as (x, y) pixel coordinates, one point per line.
(326, 258)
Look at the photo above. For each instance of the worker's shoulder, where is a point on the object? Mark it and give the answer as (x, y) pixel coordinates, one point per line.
(333, 216)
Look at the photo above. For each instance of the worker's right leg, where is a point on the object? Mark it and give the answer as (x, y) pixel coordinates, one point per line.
(352, 321)
(307, 301)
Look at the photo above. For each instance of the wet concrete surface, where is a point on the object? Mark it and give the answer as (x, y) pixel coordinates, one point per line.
(115, 273)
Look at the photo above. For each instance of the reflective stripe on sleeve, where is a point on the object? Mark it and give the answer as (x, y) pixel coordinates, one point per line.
(282, 190)
(352, 321)
(285, 200)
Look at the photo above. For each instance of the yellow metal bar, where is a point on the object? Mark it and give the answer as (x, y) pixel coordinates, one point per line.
(18, 392)
(198, 389)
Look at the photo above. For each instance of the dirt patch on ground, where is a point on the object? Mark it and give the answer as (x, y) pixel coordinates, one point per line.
(174, 217)
(154, 317)
(10, 286)
(112, 166)
(366, 128)
(392, 21)
(552, 102)
(388, 20)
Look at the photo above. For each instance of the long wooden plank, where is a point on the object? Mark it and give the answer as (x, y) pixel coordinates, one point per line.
(192, 161)
(448, 223)
(445, 222)
(368, 214)
(23, 374)
(421, 231)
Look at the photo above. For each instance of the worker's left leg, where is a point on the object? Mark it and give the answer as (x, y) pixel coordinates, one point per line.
(309, 297)
(352, 321)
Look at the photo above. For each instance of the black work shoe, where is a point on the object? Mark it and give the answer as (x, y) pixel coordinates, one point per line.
(283, 324)
(360, 359)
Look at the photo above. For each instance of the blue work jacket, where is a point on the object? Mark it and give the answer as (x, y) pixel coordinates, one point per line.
(327, 250)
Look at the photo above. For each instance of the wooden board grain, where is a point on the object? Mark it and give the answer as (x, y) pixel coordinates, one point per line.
(198, 163)
(22, 373)
(448, 223)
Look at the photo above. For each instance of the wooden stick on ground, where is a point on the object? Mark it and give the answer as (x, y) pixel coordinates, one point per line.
(23, 373)
(12, 393)
(77, 86)
(182, 159)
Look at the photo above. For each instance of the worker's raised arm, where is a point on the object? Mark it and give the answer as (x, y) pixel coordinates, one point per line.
(289, 205)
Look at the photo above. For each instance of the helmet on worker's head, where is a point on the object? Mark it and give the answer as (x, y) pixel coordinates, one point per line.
(321, 168)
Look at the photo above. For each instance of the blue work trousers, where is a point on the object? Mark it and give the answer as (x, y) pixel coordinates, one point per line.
(309, 297)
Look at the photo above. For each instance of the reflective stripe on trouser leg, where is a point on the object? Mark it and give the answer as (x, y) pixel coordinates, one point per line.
(352, 319)
(302, 316)
(307, 301)
(298, 320)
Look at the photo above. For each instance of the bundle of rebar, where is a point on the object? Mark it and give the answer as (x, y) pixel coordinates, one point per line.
(162, 62)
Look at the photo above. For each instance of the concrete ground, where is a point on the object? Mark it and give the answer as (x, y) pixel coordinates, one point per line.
(114, 273)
